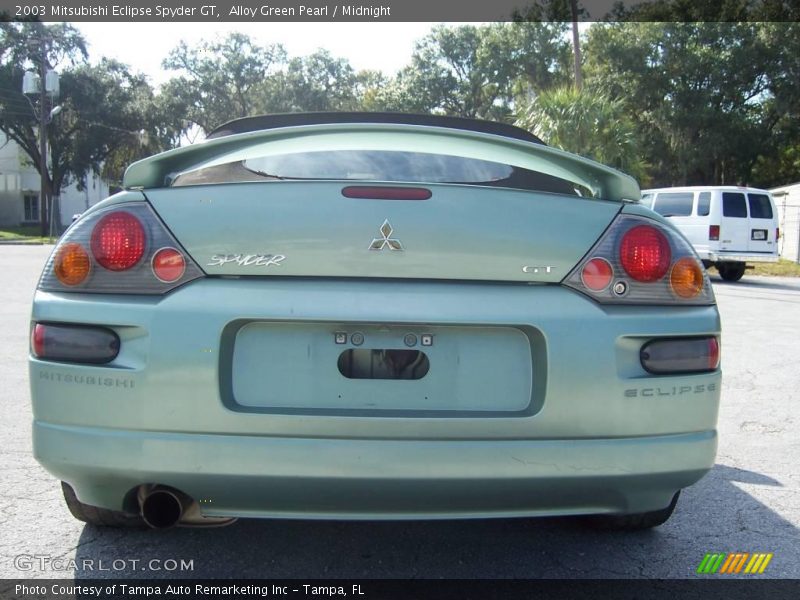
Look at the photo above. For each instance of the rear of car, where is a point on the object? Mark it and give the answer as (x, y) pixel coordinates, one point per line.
(728, 226)
(366, 319)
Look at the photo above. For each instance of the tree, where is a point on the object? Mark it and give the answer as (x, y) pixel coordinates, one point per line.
(104, 107)
(318, 82)
(476, 71)
(588, 123)
(707, 98)
(220, 81)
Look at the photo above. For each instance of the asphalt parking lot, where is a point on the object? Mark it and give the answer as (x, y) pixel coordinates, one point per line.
(750, 502)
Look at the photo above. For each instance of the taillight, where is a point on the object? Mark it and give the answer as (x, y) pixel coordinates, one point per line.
(121, 249)
(642, 261)
(118, 241)
(72, 264)
(374, 192)
(680, 355)
(168, 265)
(644, 253)
(777, 233)
(686, 278)
(597, 274)
(74, 343)
(713, 233)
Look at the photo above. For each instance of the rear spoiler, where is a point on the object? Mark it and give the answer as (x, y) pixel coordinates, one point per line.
(605, 182)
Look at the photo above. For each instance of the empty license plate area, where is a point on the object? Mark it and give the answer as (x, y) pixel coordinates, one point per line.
(758, 234)
(320, 367)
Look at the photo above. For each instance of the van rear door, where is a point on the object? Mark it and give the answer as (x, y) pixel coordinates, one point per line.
(734, 233)
(762, 223)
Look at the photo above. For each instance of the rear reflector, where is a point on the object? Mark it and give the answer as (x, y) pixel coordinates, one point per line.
(74, 343)
(680, 355)
(713, 232)
(386, 193)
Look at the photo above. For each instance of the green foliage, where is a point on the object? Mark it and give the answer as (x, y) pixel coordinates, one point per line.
(669, 102)
(103, 106)
(476, 71)
(220, 81)
(707, 98)
(588, 123)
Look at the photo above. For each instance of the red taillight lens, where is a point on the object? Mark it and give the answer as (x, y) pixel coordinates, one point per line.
(597, 274)
(37, 340)
(644, 253)
(680, 355)
(386, 193)
(168, 265)
(74, 343)
(713, 353)
(118, 241)
(713, 232)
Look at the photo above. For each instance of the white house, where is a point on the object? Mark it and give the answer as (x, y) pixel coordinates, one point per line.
(787, 201)
(20, 185)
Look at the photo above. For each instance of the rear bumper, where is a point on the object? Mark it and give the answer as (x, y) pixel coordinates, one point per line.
(248, 476)
(745, 257)
(597, 433)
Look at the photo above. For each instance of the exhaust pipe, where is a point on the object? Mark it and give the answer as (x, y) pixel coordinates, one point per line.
(163, 508)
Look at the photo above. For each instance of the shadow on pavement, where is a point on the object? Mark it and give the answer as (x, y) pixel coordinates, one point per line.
(714, 515)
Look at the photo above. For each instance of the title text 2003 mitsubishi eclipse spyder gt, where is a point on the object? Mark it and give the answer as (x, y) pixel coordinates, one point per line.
(373, 316)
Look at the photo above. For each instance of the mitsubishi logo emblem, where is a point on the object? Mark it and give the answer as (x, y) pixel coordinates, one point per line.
(385, 241)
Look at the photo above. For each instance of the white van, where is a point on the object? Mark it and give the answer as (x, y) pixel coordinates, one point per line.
(728, 226)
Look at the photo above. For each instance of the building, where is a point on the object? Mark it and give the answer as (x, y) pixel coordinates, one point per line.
(20, 184)
(787, 201)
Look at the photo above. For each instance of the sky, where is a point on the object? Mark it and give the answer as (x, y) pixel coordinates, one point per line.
(381, 46)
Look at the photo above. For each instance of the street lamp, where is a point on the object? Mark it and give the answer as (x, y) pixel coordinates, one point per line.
(45, 85)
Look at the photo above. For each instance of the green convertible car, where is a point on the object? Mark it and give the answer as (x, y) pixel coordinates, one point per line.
(373, 316)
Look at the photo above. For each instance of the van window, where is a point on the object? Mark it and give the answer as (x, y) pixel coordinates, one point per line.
(674, 204)
(760, 206)
(733, 205)
(703, 204)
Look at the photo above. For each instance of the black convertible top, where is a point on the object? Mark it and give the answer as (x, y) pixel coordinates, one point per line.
(262, 122)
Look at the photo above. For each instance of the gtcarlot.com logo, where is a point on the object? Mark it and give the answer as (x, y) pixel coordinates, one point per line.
(734, 563)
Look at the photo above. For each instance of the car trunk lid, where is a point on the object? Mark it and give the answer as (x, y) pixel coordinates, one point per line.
(311, 228)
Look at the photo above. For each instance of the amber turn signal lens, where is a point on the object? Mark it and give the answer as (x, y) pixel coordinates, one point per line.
(686, 278)
(72, 264)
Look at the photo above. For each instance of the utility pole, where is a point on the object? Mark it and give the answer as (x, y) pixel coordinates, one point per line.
(576, 45)
(43, 118)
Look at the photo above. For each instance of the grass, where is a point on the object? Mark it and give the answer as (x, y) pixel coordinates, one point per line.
(783, 268)
(27, 233)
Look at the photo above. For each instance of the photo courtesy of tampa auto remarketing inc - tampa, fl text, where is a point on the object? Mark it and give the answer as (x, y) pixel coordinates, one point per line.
(400, 300)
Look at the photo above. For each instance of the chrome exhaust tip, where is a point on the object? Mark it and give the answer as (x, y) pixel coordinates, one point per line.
(163, 508)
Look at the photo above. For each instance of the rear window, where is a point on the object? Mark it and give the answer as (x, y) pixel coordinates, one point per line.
(733, 205)
(703, 204)
(379, 166)
(674, 204)
(760, 206)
